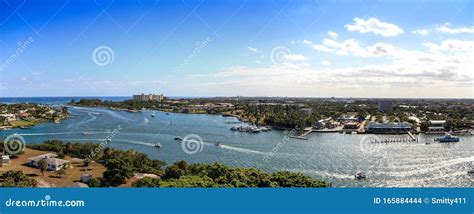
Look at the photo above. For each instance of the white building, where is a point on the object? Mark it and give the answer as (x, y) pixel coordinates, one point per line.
(54, 164)
(148, 97)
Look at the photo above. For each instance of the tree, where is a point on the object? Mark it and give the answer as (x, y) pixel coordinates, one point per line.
(94, 182)
(119, 169)
(107, 154)
(61, 154)
(43, 165)
(86, 162)
(17, 179)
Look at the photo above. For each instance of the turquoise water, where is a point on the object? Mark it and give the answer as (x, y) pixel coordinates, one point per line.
(334, 157)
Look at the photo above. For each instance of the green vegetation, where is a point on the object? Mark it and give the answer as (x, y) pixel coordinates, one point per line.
(43, 166)
(122, 164)
(182, 174)
(77, 150)
(16, 179)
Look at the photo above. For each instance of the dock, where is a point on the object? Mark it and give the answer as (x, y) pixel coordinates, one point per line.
(411, 136)
(304, 135)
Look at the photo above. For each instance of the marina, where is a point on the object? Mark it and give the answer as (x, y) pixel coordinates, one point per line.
(334, 157)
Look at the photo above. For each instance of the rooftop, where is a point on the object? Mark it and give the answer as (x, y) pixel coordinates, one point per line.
(389, 125)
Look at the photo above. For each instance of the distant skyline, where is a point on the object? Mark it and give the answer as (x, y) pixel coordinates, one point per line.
(388, 49)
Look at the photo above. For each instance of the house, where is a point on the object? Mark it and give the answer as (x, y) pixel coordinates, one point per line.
(24, 115)
(8, 117)
(5, 159)
(54, 164)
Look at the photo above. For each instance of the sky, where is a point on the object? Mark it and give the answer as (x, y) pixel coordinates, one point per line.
(412, 49)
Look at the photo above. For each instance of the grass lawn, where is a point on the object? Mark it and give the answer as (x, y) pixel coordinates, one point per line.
(18, 123)
(73, 173)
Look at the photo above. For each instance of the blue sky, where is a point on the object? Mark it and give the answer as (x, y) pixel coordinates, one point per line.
(227, 48)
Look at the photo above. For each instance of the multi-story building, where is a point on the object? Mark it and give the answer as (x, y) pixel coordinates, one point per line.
(148, 97)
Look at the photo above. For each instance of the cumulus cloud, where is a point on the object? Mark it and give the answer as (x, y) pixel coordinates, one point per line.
(447, 28)
(306, 42)
(411, 73)
(353, 47)
(332, 34)
(252, 49)
(373, 25)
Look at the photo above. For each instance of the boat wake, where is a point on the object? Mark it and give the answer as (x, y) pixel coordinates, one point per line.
(242, 150)
(426, 168)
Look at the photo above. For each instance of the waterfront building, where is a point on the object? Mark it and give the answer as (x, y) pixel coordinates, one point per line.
(385, 105)
(351, 125)
(8, 117)
(148, 97)
(437, 126)
(388, 128)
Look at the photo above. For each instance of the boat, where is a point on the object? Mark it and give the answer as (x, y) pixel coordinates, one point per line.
(218, 144)
(153, 115)
(158, 145)
(470, 172)
(360, 176)
(178, 138)
(25, 127)
(447, 138)
(167, 113)
(86, 133)
(428, 143)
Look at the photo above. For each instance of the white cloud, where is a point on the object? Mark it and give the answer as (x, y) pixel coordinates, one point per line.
(321, 48)
(446, 28)
(326, 63)
(445, 65)
(295, 57)
(375, 26)
(258, 61)
(306, 42)
(422, 32)
(352, 47)
(332, 34)
(252, 49)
